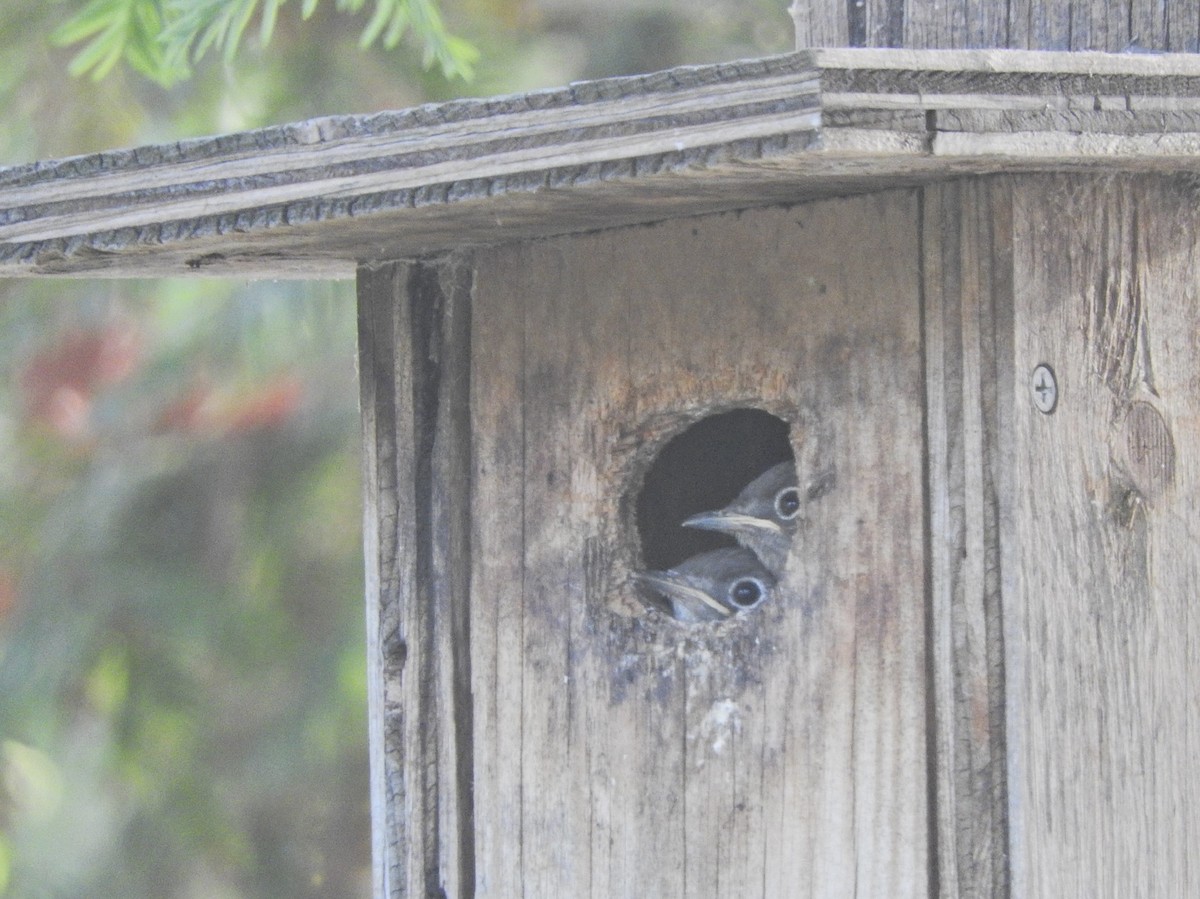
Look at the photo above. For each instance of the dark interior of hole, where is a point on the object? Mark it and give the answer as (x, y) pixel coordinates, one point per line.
(704, 468)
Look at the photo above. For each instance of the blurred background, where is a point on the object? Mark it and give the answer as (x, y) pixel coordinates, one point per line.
(182, 670)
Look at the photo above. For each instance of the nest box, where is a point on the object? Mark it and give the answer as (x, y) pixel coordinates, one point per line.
(956, 290)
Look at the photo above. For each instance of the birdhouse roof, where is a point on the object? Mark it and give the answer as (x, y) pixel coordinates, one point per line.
(315, 198)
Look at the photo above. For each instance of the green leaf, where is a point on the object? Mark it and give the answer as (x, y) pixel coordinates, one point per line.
(385, 10)
(190, 22)
(392, 19)
(162, 38)
(119, 29)
(97, 15)
(270, 14)
(146, 53)
(238, 23)
(99, 56)
(396, 29)
(461, 56)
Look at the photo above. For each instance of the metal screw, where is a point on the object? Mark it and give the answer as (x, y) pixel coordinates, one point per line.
(1045, 389)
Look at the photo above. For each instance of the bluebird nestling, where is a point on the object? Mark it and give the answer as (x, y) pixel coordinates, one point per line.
(764, 516)
(713, 585)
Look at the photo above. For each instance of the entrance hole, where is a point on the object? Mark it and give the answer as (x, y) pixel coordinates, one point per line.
(701, 469)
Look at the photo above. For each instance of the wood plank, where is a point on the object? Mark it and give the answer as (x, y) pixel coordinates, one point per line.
(1101, 622)
(957, 25)
(1051, 24)
(440, 298)
(1118, 17)
(1020, 25)
(217, 195)
(1078, 121)
(1088, 27)
(926, 26)
(967, 254)
(1059, 147)
(413, 333)
(969, 61)
(820, 24)
(989, 25)
(1100, 25)
(316, 198)
(376, 365)
(1182, 27)
(1148, 25)
(782, 754)
(497, 589)
(884, 23)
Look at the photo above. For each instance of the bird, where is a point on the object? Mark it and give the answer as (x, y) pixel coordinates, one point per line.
(712, 586)
(764, 517)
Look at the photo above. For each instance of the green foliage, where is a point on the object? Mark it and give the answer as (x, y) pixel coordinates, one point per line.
(118, 29)
(161, 39)
(182, 660)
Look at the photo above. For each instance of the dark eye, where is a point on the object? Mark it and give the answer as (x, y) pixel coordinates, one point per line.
(787, 503)
(746, 593)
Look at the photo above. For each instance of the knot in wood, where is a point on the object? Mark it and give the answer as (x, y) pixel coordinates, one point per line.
(1149, 449)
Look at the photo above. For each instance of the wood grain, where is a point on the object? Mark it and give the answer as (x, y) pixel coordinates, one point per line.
(317, 198)
(782, 754)
(995, 705)
(967, 255)
(414, 332)
(1056, 25)
(1099, 563)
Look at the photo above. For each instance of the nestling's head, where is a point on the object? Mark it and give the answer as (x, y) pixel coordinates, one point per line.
(711, 586)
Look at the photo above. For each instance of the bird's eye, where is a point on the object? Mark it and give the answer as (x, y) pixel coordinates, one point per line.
(787, 503)
(747, 593)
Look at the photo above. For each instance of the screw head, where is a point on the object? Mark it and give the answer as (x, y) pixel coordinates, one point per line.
(1045, 389)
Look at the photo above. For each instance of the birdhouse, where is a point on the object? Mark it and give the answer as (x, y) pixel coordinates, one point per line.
(946, 299)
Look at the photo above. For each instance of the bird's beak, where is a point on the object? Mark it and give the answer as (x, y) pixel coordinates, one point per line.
(731, 523)
(678, 590)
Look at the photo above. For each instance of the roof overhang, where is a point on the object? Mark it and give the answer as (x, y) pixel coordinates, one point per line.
(314, 199)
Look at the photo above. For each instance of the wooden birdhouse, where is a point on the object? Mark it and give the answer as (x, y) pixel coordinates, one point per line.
(953, 292)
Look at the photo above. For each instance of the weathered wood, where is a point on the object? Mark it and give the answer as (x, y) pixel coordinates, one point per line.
(618, 753)
(541, 735)
(967, 256)
(964, 23)
(1106, 122)
(1099, 556)
(1104, 25)
(820, 24)
(317, 198)
(414, 333)
(232, 204)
